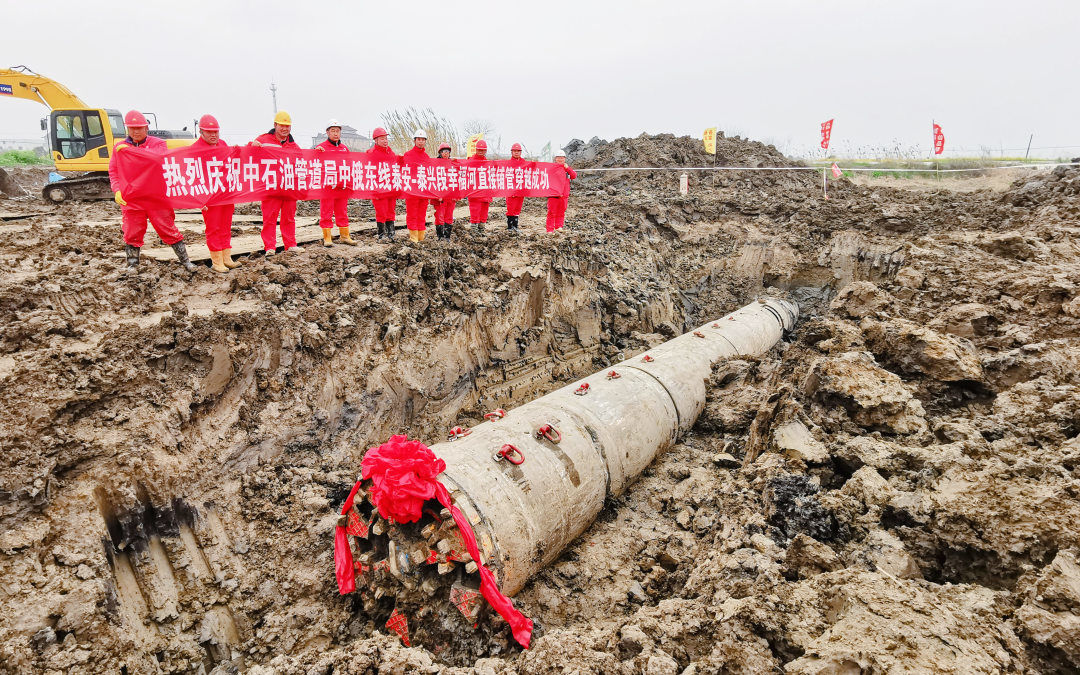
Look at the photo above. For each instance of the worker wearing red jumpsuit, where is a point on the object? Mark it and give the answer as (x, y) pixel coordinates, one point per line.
(514, 202)
(384, 206)
(134, 219)
(556, 214)
(218, 219)
(444, 208)
(280, 136)
(335, 208)
(478, 206)
(416, 207)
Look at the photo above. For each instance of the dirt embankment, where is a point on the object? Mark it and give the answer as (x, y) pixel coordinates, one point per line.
(892, 489)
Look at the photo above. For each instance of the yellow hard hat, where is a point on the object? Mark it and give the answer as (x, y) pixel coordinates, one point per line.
(282, 118)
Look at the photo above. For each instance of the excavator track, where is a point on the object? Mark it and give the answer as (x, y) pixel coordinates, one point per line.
(92, 186)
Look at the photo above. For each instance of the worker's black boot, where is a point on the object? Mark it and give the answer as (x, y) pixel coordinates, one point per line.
(381, 230)
(132, 255)
(390, 230)
(181, 254)
(446, 230)
(512, 224)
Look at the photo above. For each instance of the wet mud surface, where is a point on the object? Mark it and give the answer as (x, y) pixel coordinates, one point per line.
(892, 489)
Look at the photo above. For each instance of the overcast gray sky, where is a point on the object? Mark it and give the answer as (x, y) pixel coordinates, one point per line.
(990, 72)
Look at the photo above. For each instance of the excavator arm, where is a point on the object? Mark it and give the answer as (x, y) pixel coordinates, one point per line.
(21, 82)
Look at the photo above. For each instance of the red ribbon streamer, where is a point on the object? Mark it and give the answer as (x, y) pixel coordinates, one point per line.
(343, 560)
(404, 475)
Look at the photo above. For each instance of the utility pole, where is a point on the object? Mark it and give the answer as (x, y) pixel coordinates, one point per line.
(1028, 152)
(273, 93)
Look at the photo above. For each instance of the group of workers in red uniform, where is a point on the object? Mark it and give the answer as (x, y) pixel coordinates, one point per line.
(416, 207)
(281, 211)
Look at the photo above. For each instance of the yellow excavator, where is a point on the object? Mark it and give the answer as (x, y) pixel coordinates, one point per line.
(81, 138)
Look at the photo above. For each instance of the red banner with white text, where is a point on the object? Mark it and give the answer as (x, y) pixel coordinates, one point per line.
(196, 176)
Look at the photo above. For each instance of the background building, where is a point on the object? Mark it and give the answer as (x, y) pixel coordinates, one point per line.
(352, 139)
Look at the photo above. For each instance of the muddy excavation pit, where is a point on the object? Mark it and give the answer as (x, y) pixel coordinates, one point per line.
(893, 487)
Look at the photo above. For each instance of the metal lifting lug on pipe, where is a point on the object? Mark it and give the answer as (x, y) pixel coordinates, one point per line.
(557, 460)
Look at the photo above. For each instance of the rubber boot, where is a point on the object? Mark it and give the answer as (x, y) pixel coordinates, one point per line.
(216, 258)
(345, 238)
(438, 232)
(381, 230)
(181, 254)
(227, 261)
(447, 228)
(414, 236)
(512, 224)
(327, 237)
(421, 234)
(390, 230)
(132, 255)
(479, 228)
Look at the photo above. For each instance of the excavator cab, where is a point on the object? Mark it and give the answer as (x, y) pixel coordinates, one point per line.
(82, 140)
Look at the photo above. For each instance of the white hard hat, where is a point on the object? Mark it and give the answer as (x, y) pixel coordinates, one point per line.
(559, 153)
(419, 133)
(333, 123)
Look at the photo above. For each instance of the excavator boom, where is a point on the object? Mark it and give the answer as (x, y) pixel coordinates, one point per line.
(21, 82)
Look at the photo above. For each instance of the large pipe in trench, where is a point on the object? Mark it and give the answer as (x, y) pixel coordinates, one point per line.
(601, 433)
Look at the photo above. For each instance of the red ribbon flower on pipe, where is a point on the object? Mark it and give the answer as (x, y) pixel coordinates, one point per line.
(404, 475)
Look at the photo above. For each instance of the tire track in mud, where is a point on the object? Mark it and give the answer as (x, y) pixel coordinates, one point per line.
(174, 570)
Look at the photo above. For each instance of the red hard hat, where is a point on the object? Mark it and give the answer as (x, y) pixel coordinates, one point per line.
(481, 144)
(379, 131)
(208, 123)
(444, 146)
(516, 146)
(134, 118)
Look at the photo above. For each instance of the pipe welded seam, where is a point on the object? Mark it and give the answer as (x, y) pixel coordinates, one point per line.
(733, 347)
(779, 319)
(674, 403)
(597, 445)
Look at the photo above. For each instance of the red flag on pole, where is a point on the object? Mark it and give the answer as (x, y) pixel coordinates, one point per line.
(939, 139)
(826, 133)
(836, 172)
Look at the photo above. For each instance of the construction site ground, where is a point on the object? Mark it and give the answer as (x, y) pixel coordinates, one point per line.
(893, 489)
